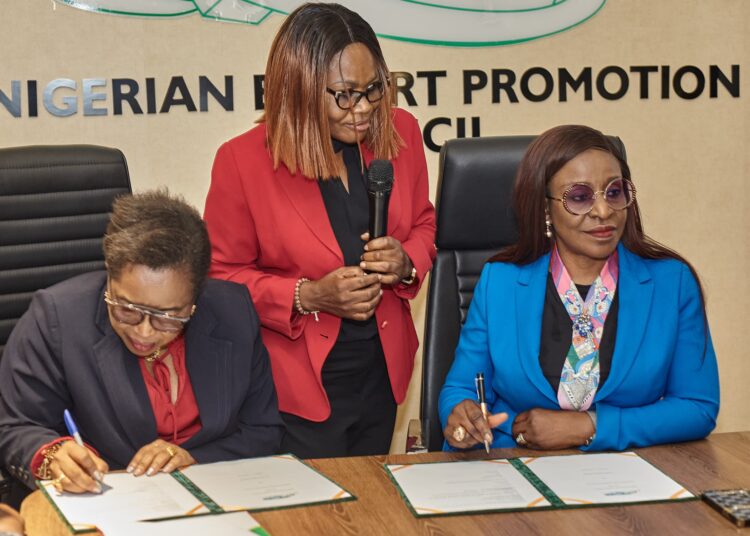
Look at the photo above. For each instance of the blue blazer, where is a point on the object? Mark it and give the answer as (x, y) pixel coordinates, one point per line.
(662, 387)
(63, 353)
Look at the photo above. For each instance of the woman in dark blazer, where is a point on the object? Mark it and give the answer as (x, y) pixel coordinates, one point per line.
(590, 334)
(287, 212)
(159, 367)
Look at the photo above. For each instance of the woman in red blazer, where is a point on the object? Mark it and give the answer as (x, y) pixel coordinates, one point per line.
(287, 213)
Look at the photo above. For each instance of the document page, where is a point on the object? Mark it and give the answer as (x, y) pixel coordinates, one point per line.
(620, 477)
(233, 524)
(125, 498)
(453, 487)
(264, 483)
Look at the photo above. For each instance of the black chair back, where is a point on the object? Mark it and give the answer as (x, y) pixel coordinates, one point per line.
(474, 220)
(54, 208)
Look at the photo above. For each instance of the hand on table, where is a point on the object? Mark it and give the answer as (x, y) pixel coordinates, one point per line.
(548, 429)
(387, 257)
(10, 520)
(347, 292)
(158, 456)
(468, 414)
(77, 469)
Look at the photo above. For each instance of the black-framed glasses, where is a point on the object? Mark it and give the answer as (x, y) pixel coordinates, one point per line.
(579, 198)
(346, 99)
(133, 315)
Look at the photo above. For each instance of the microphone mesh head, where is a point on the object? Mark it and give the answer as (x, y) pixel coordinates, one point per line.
(380, 176)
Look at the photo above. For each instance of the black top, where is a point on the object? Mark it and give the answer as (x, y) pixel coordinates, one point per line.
(348, 213)
(557, 334)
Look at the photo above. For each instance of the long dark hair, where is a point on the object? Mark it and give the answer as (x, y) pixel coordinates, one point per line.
(295, 114)
(546, 155)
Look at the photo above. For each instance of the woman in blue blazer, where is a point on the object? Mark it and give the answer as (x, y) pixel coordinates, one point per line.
(589, 333)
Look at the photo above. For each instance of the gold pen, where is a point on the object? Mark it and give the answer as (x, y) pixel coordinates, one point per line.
(479, 381)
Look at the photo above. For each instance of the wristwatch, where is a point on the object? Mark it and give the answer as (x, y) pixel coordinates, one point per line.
(412, 276)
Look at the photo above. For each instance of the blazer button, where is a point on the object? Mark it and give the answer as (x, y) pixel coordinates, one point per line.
(384, 324)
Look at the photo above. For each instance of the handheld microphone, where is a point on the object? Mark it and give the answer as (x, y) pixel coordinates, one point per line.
(379, 185)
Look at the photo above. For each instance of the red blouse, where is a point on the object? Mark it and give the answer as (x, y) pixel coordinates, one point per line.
(178, 422)
(175, 423)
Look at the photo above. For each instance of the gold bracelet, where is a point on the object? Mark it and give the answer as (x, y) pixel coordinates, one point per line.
(49, 456)
(298, 303)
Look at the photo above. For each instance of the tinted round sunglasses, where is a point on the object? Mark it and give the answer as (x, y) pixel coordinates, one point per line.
(579, 198)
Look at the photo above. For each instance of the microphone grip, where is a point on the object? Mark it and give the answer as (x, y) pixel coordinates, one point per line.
(378, 202)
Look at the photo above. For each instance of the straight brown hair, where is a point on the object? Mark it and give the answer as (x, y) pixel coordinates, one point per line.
(297, 130)
(545, 156)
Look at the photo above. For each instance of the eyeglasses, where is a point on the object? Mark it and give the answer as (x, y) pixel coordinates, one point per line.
(132, 315)
(579, 199)
(349, 98)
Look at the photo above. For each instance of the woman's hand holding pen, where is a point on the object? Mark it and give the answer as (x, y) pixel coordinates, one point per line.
(347, 292)
(468, 415)
(77, 469)
(158, 456)
(386, 256)
(549, 429)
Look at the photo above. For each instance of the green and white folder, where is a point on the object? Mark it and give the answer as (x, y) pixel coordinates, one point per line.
(254, 484)
(532, 483)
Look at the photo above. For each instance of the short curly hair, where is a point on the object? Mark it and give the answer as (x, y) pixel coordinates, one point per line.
(158, 230)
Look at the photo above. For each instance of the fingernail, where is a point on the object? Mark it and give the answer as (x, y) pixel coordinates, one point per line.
(130, 469)
(362, 265)
(366, 248)
(96, 488)
(150, 471)
(488, 437)
(98, 476)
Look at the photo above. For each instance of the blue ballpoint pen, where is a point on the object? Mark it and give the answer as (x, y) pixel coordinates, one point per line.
(70, 424)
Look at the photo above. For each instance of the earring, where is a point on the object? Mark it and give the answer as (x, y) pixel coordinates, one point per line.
(548, 225)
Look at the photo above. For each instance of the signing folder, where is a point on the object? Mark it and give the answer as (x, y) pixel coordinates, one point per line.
(253, 484)
(498, 485)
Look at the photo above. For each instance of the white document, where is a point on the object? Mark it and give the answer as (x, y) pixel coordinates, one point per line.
(605, 478)
(452, 487)
(125, 498)
(233, 524)
(263, 483)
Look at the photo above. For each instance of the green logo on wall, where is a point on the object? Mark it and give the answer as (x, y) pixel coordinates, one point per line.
(435, 22)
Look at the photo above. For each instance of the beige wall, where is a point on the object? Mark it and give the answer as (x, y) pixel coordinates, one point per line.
(690, 158)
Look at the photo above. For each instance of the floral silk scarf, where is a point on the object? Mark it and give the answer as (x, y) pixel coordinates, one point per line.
(580, 374)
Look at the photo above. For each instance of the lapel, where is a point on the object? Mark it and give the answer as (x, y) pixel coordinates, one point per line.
(636, 294)
(306, 199)
(123, 383)
(208, 362)
(394, 203)
(530, 289)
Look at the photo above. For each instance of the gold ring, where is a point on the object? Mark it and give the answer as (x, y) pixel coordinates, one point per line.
(459, 433)
(521, 440)
(59, 479)
(171, 451)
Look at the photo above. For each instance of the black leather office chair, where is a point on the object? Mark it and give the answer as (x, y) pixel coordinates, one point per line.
(474, 220)
(54, 208)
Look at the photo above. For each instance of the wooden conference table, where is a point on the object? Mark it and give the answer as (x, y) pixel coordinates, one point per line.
(720, 462)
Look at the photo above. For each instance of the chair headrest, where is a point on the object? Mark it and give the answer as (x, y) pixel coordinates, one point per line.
(475, 186)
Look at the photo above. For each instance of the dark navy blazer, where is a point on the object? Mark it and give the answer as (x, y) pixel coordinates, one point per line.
(63, 353)
(663, 385)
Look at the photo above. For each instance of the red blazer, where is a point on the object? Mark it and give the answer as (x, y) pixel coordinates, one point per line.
(268, 228)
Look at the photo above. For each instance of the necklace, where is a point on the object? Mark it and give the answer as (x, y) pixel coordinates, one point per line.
(150, 358)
